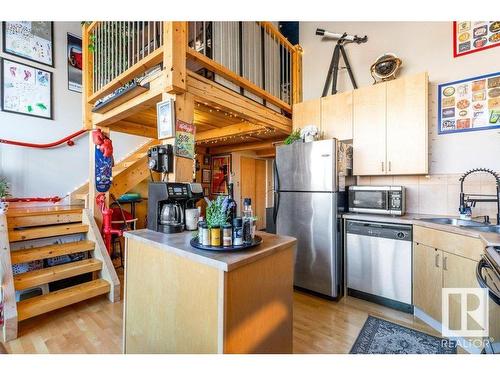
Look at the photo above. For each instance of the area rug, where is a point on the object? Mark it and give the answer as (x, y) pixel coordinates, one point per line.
(379, 336)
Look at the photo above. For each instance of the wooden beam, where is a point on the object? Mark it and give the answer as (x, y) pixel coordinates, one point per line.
(228, 131)
(154, 58)
(228, 74)
(87, 79)
(174, 56)
(134, 128)
(266, 153)
(213, 94)
(297, 75)
(253, 146)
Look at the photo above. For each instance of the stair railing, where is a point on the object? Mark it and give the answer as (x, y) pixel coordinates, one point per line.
(9, 328)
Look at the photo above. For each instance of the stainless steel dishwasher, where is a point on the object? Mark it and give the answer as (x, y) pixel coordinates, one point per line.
(379, 263)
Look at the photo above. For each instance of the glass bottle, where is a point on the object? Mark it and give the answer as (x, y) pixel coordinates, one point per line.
(248, 231)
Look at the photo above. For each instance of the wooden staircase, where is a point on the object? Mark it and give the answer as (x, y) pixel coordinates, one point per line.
(127, 174)
(51, 223)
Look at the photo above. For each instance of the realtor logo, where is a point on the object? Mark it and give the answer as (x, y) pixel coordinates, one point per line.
(468, 308)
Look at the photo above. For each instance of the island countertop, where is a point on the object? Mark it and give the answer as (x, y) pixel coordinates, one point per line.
(178, 243)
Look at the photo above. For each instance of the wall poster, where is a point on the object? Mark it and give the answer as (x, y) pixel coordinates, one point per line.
(74, 55)
(165, 118)
(26, 90)
(221, 168)
(184, 139)
(30, 40)
(474, 36)
(470, 104)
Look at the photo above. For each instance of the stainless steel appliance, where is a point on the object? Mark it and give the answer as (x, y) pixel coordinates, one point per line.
(379, 263)
(306, 205)
(488, 276)
(388, 200)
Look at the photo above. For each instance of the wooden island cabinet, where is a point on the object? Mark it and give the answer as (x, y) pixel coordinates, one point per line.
(182, 300)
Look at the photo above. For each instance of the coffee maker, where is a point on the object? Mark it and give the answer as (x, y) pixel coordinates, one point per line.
(167, 202)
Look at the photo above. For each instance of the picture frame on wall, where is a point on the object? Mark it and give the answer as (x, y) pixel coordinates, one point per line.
(221, 169)
(26, 90)
(166, 119)
(74, 62)
(474, 36)
(206, 159)
(205, 176)
(30, 40)
(206, 191)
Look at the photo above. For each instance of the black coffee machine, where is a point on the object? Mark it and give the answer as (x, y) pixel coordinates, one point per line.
(167, 202)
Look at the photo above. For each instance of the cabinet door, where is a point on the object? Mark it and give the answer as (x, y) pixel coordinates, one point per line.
(407, 129)
(427, 279)
(336, 116)
(459, 272)
(369, 130)
(307, 113)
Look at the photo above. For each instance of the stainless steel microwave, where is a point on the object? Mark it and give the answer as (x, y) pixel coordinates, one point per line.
(387, 200)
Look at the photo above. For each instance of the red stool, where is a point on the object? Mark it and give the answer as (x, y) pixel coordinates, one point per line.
(122, 221)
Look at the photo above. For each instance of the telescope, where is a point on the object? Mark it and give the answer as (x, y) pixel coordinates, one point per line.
(344, 36)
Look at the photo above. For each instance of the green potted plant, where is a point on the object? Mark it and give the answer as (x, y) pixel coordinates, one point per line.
(4, 193)
(217, 214)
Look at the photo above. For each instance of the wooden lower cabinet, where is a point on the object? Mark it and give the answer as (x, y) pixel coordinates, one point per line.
(427, 279)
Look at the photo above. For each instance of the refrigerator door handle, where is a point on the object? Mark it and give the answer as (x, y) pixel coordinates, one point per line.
(276, 206)
(276, 177)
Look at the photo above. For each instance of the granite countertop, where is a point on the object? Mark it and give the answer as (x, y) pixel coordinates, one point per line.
(489, 239)
(178, 243)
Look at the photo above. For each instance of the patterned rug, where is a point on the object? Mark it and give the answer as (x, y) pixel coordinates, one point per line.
(379, 336)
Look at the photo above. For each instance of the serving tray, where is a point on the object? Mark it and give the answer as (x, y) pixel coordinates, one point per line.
(257, 240)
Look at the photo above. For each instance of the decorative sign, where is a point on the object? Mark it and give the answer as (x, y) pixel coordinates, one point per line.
(221, 168)
(470, 104)
(103, 171)
(165, 116)
(74, 55)
(184, 139)
(30, 40)
(473, 36)
(26, 90)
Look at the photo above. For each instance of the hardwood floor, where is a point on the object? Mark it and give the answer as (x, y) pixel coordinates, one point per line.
(95, 326)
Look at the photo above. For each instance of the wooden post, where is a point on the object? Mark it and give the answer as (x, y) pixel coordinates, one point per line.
(297, 74)
(8, 294)
(174, 56)
(87, 78)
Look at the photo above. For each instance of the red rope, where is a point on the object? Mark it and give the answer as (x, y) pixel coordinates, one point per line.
(35, 199)
(68, 140)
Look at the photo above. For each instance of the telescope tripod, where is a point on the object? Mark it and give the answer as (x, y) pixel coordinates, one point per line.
(333, 70)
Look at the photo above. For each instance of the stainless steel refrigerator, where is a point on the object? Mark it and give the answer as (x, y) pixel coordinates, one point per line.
(307, 202)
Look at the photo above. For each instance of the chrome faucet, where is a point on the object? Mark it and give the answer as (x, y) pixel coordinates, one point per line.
(467, 201)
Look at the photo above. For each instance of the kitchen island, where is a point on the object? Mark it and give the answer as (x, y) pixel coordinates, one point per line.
(182, 300)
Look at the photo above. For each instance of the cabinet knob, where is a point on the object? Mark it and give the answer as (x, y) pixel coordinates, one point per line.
(437, 260)
(445, 263)
(382, 165)
(389, 165)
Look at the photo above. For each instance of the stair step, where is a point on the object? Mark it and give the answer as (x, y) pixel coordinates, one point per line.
(63, 271)
(50, 251)
(47, 231)
(43, 210)
(41, 304)
(44, 219)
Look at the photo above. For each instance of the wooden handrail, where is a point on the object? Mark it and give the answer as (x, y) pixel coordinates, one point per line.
(92, 25)
(272, 30)
(9, 329)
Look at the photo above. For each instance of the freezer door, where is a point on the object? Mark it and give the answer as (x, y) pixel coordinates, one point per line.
(307, 166)
(312, 219)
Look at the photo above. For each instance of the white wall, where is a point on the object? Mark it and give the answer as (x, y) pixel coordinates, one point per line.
(423, 46)
(49, 172)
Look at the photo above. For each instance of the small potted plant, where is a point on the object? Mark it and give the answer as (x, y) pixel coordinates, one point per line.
(217, 214)
(4, 194)
(310, 133)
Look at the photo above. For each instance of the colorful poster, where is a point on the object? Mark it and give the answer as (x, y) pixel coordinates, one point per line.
(470, 104)
(30, 40)
(165, 119)
(221, 168)
(26, 90)
(184, 139)
(474, 36)
(74, 55)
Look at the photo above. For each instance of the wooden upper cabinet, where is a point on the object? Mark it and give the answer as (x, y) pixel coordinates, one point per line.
(369, 139)
(307, 113)
(336, 116)
(407, 129)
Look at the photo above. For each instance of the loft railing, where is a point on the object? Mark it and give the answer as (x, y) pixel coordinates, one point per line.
(253, 58)
(118, 49)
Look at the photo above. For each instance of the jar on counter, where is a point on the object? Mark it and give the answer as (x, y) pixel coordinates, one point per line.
(237, 231)
(227, 235)
(205, 235)
(215, 239)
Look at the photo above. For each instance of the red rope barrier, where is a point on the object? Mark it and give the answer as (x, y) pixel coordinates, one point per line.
(68, 140)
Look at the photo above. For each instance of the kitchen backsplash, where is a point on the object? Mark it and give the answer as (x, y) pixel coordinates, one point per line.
(439, 194)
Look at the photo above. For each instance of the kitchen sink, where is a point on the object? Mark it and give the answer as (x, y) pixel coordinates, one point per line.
(489, 228)
(455, 222)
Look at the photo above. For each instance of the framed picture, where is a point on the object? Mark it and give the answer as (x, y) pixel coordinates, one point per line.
(469, 105)
(166, 118)
(206, 159)
(26, 90)
(205, 176)
(184, 139)
(29, 40)
(74, 56)
(474, 36)
(221, 168)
